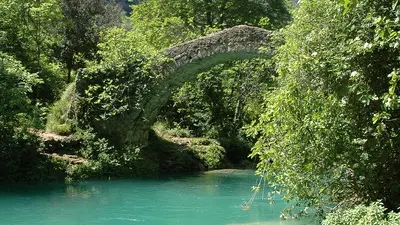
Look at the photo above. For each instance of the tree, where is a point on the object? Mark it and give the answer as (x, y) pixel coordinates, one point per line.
(330, 128)
(15, 85)
(166, 23)
(84, 20)
(29, 30)
(18, 149)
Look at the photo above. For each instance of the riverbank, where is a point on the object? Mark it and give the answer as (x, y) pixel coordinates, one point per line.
(68, 158)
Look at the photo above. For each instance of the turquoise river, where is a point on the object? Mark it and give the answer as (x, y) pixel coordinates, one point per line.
(212, 198)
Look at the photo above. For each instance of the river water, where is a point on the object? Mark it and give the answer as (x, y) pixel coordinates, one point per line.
(212, 198)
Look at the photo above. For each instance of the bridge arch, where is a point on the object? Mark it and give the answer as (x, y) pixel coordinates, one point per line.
(189, 59)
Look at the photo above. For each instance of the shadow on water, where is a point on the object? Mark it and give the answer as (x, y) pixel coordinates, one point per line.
(80, 190)
(31, 189)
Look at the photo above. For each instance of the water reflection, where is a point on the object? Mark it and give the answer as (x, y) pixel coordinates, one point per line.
(81, 191)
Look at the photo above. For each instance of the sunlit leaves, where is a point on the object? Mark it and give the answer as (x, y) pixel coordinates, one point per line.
(165, 23)
(112, 88)
(160, 23)
(15, 85)
(375, 213)
(348, 4)
(332, 123)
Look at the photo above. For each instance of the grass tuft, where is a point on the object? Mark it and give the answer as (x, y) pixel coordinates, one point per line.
(62, 116)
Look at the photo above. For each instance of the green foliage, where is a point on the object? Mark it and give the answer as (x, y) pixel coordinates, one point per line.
(330, 128)
(15, 85)
(121, 79)
(83, 23)
(102, 158)
(210, 152)
(156, 22)
(29, 28)
(115, 84)
(118, 45)
(19, 156)
(28, 31)
(221, 100)
(104, 161)
(111, 90)
(92, 146)
(53, 82)
(166, 23)
(105, 88)
(225, 98)
(179, 20)
(176, 131)
(179, 152)
(374, 214)
(62, 116)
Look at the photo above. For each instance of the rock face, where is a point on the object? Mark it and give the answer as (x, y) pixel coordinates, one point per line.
(60, 147)
(54, 143)
(188, 59)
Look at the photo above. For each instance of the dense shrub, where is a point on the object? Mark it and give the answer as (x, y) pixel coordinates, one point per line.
(19, 156)
(109, 90)
(211, 154)
(104, 161)
(374, 214)
(331, 127)
(15, 85)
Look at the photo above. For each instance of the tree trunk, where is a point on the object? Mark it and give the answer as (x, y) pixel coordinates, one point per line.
(69, 75)
(209, 13)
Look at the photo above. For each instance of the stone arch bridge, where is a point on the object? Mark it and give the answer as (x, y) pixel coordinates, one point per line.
(189, 59)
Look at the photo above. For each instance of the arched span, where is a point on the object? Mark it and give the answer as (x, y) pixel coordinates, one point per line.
(189, 59)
